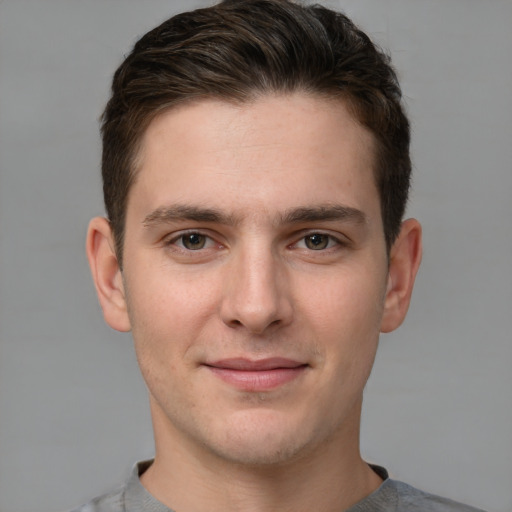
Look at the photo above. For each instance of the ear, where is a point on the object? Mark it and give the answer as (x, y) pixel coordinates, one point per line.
(106, 274)
(404, 261)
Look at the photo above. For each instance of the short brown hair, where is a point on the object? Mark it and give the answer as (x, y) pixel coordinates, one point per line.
(240, 49)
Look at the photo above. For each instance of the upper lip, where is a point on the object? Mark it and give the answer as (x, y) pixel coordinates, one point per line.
(243, 364)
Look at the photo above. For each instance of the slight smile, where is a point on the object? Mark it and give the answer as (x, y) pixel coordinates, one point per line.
(256, 376)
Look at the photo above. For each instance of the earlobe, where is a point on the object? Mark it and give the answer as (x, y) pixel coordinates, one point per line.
(404, 261)
(106, 274)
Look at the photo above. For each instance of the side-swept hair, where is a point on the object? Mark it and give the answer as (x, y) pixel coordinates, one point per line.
(238, 50)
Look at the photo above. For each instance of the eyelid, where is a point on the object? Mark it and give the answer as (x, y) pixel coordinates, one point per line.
(174, 237)
(339, 239)
(336, 239)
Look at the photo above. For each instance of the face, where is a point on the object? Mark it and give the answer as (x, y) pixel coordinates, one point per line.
(255, 275)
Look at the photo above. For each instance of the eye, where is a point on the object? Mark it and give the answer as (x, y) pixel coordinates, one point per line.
(193, 241)
(320, 246)
(317, 241)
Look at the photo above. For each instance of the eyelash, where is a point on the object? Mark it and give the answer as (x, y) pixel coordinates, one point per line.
(332, 241)
(177, 241)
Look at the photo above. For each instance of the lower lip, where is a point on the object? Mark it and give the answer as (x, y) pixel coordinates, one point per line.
(258, 380)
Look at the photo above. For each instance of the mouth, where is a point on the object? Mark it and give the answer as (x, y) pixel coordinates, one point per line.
(257, 375)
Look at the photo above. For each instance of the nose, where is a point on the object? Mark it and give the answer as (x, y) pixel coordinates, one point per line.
(256, 292)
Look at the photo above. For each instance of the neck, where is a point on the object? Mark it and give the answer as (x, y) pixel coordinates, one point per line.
(331, 477)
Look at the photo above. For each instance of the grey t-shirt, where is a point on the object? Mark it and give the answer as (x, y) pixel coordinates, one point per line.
(391, 496)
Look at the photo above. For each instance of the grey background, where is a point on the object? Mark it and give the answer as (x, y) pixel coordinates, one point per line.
(73, 411)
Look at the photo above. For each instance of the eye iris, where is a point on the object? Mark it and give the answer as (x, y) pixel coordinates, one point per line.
(194, 241)
(317, 241)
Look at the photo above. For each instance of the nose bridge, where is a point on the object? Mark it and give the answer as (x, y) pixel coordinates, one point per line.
(257, 296)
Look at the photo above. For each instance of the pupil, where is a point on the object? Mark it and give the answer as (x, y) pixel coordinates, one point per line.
(316, 241)
(194, 241)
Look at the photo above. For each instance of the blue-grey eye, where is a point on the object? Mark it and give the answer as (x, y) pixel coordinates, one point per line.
(316, 241)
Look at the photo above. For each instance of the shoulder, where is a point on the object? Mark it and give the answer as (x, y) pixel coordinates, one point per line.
(410, 499)
(110, 502)
(131, 497)
(396, 496)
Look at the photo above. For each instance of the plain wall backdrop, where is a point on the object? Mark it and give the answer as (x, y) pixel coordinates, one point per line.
(73, 408)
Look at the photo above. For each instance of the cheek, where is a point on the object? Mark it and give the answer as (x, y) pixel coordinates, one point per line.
(168, 313)
(349, 303)
(345, 314)
(165, 299)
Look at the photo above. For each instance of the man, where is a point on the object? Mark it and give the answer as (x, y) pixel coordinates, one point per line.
(256, 170)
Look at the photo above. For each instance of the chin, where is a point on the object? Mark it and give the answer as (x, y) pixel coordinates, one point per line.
(263, 441)
(259, 454)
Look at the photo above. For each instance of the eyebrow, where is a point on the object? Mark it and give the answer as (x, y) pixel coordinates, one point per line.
(185, 212)
(293, 216)
(324, 213)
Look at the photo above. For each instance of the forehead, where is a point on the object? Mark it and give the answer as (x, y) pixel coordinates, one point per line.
(271, 152)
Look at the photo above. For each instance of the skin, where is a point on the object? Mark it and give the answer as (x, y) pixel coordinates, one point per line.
(254, 232)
